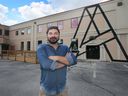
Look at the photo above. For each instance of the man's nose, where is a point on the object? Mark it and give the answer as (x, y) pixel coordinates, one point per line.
(52, 35)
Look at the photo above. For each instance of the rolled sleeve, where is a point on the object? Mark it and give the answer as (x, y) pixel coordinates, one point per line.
(69, 58)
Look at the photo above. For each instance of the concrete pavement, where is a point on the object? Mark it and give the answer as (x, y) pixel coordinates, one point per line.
(99, 79)
(84, 79)
(18, 78)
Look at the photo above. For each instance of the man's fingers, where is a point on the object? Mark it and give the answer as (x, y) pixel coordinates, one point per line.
(51, 57)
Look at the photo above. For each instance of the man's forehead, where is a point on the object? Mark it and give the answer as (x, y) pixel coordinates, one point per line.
(53, 30)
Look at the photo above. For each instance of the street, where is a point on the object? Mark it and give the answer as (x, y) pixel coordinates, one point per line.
(84, 79)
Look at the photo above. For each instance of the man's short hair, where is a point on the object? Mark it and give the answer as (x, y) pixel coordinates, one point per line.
(52, 27)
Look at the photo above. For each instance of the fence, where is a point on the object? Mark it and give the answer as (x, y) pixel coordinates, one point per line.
(18, 55)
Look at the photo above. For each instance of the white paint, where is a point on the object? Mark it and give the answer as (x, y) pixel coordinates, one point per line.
(94, 69)
(126, 66)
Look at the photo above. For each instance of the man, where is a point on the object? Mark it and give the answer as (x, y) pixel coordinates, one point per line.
(54, 59)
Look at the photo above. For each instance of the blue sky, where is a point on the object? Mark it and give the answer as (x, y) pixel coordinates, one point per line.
(17, 11)
(17, 3)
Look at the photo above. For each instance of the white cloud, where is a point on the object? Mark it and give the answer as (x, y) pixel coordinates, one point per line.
(37, 9)
(4, 19)
(3, 11)
(10, 22)
(26, 12)
(72, 4)
(41, 9)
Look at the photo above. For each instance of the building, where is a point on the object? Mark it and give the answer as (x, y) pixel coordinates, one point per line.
(4, 37)
(28, 35)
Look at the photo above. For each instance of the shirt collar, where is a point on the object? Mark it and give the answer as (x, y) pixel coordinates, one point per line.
(48, 44)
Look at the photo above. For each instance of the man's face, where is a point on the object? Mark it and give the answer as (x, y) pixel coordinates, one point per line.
(53, 36)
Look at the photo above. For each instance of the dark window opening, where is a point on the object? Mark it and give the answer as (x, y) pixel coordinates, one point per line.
(5, 47)
(6, 33)
(39, 42)
(93, 52)
(17, 32)
(28, 45)
(0, 31)
(22, 45)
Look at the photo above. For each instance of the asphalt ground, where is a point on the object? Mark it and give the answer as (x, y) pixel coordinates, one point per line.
(84, 79)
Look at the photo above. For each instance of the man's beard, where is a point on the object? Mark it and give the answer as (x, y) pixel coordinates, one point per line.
(53, 40)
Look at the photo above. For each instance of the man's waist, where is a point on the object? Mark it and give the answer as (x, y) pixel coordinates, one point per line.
(53, 90)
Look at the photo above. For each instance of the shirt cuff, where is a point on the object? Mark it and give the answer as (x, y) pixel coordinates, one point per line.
(53, 65)
(69, 58)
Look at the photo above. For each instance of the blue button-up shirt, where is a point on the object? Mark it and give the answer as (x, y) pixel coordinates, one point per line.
(53, 80)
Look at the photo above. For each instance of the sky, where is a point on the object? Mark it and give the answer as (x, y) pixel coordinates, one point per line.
(17, 11)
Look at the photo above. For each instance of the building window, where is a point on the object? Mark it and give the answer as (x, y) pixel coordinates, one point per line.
(39, 42)
(60, 24)
(22, 46)
(6, 32)
(49, 25)
(22, 31)
(17, 32)
(0, 31)
(28, 45)
(5, 47)
(28, 30)
(40, 28)
(74, 22)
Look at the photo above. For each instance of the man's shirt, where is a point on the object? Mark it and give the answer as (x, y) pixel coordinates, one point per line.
(53, 80)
